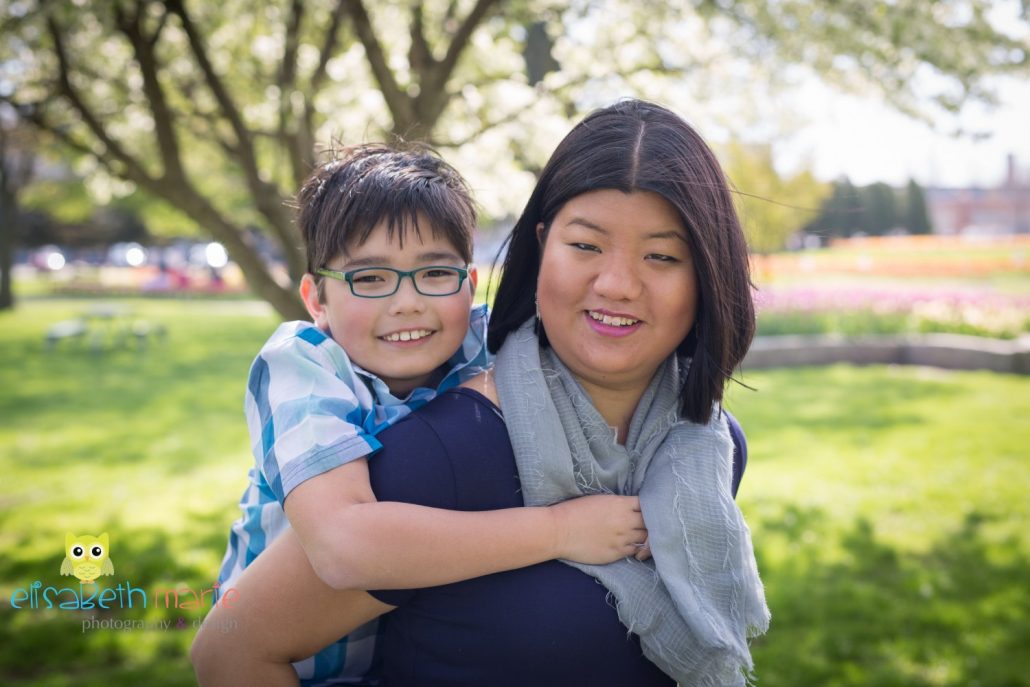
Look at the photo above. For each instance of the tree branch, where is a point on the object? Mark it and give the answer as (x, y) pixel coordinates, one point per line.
(432, 97)
(134, 171)
(288, 136)
(396, 99)
(288, 69)
(420, 56)
(304, 142)
(160, 27)
(462, 36)
(225, 101)
(328, 46)
(268, 198)
(164, 118)
(510, 117)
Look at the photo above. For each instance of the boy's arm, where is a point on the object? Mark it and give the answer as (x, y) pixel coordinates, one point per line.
(354, 542)
(280, 612)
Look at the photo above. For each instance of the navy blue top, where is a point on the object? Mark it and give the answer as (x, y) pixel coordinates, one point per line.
(546, 624)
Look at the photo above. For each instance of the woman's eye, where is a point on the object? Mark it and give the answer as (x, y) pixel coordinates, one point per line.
(662, 258)
(585, 246)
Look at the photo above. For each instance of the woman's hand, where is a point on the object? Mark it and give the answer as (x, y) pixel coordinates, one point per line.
(599, 529)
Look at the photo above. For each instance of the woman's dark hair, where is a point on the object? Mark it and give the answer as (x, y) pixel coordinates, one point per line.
(345, 198)
(639, 146)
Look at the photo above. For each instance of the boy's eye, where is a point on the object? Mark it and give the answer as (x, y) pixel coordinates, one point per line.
(368, 278)
(440, 274)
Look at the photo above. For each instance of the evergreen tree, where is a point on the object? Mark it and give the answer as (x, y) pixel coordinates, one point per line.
(879, 209)
(917, 220)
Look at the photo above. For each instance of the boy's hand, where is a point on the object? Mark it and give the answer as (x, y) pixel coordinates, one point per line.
(599, 529)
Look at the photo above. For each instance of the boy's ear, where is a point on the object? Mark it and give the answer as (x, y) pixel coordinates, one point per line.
(316, 308)
(473, 278)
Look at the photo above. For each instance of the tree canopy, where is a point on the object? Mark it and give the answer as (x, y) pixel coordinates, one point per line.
(218, 109)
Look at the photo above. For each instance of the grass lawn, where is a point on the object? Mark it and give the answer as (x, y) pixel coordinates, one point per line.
(887, 505)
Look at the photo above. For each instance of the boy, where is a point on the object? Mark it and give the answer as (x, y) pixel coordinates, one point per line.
(388, 235)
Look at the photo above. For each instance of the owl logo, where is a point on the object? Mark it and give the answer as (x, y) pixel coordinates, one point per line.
(87, 557)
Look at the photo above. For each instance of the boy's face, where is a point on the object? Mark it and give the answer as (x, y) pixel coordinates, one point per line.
(364, 326)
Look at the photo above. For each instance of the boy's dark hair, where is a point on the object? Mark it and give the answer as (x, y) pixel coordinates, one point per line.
(345, 198)
(639, 146)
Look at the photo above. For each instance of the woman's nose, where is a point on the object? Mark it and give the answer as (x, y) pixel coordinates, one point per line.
(618, 278)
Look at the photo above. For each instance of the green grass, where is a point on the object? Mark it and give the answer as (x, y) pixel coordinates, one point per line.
(889, 512)
(887, 505)
(147, 444)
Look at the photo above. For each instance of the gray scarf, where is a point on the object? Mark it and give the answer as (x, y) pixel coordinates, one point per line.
(696, 604)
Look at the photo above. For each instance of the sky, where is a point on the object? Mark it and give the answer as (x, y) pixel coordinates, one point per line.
(868, 141)
(863, 138)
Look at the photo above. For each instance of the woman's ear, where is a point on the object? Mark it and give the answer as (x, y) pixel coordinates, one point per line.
(541, 234)
(316, 308)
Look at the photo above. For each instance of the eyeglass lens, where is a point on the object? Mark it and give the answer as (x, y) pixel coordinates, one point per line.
(430, 281)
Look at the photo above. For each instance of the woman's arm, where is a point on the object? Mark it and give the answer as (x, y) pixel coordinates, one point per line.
(281, 612)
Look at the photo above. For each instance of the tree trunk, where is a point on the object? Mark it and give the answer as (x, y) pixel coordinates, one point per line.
(8, 216)
(285, 300)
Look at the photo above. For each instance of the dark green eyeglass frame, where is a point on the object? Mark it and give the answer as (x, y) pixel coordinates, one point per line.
(348, 277)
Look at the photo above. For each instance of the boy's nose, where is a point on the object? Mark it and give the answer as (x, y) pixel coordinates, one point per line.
(407, 298)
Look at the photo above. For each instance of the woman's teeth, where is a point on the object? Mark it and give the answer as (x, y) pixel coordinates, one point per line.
(412, 335)
(612, 321)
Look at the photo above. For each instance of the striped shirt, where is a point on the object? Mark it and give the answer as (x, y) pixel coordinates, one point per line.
(310, 409)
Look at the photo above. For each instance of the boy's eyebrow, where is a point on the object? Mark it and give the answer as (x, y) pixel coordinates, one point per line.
(383, 261)
(587, 224)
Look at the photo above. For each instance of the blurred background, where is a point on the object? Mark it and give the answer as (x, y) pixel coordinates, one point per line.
(881, 155)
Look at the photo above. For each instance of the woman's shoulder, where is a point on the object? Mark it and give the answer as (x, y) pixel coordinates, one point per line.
(483, 385)
(435, 456)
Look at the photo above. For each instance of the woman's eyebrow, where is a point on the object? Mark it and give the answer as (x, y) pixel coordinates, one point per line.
(666, 234)
(587, 224)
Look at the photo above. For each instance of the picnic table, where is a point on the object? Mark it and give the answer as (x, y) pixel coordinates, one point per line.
(105, 326)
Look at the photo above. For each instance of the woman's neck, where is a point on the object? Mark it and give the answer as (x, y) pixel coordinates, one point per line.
(616, 405)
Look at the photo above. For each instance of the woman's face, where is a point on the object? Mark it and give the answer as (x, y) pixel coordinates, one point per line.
(617, 288)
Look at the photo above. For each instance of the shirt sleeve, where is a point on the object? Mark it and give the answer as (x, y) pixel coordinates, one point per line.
(305, 410)
(739, 451)
(413, 467)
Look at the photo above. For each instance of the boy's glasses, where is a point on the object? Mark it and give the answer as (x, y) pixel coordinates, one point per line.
(380, 282)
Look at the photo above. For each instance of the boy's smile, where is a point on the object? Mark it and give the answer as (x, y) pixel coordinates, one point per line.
(407, 336)
(403, 338)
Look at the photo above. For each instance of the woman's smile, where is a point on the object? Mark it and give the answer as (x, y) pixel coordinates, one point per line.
(610, 324)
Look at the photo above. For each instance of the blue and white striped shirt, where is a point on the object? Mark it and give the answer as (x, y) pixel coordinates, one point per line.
(310, 409)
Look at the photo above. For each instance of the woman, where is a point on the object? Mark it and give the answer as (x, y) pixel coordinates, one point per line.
(627, 263)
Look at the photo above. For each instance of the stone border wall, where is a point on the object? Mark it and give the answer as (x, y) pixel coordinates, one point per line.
(950, 351)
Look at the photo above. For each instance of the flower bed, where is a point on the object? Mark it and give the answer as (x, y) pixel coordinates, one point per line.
(858, 310)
